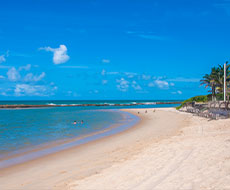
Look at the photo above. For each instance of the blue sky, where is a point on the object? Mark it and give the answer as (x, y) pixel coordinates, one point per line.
(107, 49)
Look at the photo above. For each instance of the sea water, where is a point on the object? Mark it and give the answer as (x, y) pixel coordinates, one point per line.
(24, 129)
(80, 102)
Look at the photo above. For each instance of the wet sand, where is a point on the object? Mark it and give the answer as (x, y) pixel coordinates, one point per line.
(165, 150)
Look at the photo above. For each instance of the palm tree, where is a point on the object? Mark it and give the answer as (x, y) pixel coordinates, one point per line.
(219, 77)
(210, 81)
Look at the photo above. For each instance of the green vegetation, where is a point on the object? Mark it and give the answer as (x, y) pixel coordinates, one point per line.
(202, 98)
(215, 80)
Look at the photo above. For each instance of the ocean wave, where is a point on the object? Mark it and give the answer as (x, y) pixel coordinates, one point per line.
(149, 103)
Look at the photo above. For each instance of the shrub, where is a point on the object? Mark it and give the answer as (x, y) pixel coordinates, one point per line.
(202, 98)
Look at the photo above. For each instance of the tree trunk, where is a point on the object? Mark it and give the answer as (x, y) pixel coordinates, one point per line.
(213, 93)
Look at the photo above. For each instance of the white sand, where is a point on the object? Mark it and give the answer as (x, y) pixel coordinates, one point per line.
(166, 150)
(197, 158)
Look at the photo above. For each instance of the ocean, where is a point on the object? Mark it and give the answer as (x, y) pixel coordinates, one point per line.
(22, 130)
(81, 102)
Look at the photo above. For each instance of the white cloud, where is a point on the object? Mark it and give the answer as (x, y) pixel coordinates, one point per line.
(151, 84)
(104, 72)
(5, 91)
(161, 84)
(182, 79)
(123, 85)
(146, 77)
(177, 92)
(27, 84)
(112, 73)
(71, 93)
(130, 75)
(2, 77)
(31, 78)
(59, 54)
(2, 58)
(105, 61)
(136, 86)
(33, 90)
(13, 74)
(26, 68)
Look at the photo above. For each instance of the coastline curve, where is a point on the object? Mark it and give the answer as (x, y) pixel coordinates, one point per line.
(130, 120)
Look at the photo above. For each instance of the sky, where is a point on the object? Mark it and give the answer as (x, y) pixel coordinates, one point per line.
(110, 49)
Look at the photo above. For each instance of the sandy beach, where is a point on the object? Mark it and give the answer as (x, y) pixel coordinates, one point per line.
(167, 149)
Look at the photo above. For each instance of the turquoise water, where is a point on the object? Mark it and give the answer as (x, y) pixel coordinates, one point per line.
(39, 127)
(79, 102)
(24, 129)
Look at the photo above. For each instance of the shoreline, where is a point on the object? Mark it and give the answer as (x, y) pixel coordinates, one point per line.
(27, 154)
(90, 158)
(197, 157)
(167, 149)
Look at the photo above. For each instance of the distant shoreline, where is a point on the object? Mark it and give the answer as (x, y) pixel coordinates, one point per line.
(79, 105)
